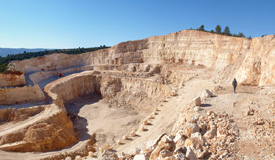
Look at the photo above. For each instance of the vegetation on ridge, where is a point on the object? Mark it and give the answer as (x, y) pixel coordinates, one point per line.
(4, 61)
(218, 30)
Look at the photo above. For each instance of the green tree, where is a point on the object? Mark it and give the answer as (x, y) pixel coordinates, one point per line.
(201, 28)
(240, 34)
(212, 31)
(3, 67)
(218, 29)
(226, 31)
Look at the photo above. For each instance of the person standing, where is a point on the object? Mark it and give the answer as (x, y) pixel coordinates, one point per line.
(234, 83)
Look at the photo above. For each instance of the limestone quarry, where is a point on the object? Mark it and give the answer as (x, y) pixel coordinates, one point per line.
(164, 97)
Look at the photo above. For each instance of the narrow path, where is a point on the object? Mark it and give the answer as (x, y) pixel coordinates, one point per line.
(11, 127)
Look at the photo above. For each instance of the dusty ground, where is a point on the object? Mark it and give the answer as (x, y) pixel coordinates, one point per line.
(251, 145)
(109, 123)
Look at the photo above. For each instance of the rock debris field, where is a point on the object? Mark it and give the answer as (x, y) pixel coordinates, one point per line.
(161, 98)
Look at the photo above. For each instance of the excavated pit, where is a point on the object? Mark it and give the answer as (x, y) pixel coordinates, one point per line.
(142, 87)
(119, 99)
(108, 104)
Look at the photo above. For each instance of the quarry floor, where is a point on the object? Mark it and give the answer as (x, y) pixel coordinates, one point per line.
(96, 116)
(112, 122)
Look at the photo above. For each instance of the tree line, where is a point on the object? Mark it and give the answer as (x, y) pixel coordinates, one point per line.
(225, 31)
(4, 61)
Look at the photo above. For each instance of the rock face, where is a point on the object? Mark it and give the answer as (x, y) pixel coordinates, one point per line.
(73, 86)
(19, 95)
(42, 76)
(189, 47)
(83, 84)
(12, 79)
(107, 85)
(259, 64)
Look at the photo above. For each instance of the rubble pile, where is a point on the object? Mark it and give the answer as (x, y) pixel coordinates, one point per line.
(213, 136)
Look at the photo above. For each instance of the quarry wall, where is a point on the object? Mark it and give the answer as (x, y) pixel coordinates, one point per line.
(191, 47)
(49, 63)
(258, 68)
(195, 47)
(12, 79)
(107, 85)
(150, 88)
(38, 77)
(21, 95)
(73, 86)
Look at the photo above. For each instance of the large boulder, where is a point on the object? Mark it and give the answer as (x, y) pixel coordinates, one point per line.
(194, 143)
(210, 133)
(190, 154)
(166, 143)
(189, 128)
(196, 101)
(207, 94)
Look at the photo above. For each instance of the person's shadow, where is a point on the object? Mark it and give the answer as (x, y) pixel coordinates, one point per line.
(206, 105)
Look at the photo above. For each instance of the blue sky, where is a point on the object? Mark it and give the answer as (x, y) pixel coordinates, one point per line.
(87, 23)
